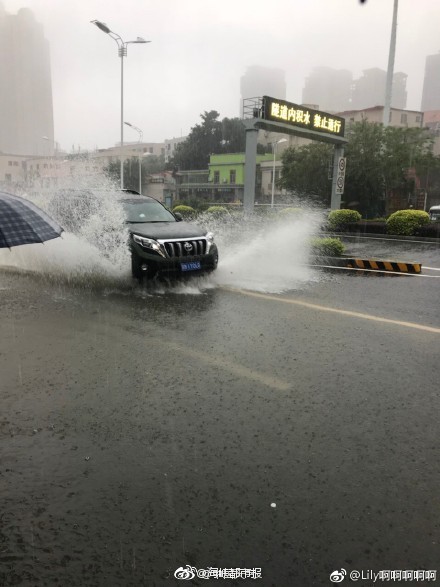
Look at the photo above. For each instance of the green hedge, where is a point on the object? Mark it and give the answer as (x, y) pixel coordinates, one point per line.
(338, 219)
(329, 247)
(217, 211)
(186, 211)
(406, 222)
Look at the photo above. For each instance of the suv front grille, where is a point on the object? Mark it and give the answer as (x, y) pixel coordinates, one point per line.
(182, 248)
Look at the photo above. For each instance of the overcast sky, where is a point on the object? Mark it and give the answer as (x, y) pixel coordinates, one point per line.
(201, 48)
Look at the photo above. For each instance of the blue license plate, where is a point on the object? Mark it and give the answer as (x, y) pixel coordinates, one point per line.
(192, 266)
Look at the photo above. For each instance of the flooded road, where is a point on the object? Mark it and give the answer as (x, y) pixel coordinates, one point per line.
(147, 429)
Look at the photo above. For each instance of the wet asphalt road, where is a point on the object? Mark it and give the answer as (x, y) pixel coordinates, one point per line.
(143, 431)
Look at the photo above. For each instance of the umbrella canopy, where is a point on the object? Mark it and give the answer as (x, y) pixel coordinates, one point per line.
(22, 223)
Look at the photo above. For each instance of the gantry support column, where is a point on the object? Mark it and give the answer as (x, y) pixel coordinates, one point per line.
(250, 166)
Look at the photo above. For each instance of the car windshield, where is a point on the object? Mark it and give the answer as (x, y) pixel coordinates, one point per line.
(146, 211)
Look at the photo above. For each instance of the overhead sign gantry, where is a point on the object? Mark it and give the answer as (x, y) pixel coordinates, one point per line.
(280, 116)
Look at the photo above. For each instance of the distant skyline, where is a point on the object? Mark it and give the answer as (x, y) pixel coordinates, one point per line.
(200, 50)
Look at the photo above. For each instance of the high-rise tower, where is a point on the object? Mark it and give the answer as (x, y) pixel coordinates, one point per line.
(262, 81)
(328, 88)
(26, 110)
(431, 84)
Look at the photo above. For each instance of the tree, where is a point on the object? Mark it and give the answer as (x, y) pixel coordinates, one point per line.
(379, 161)
(204, 139)
(149, 164)
(364, 178)
(210, 137)
(305, 171)
(233, 136)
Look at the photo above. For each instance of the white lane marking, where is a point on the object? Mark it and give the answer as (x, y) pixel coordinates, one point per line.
(334, 310)
(234, 368)
(432, 268)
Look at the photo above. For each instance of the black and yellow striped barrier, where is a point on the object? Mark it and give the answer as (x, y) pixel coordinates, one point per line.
(373, 264)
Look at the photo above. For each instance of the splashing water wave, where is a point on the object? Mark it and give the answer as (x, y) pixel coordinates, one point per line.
(261, 254)
(268, 256)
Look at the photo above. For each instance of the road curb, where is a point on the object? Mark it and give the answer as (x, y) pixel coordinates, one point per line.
(372, 264)
(375, 236)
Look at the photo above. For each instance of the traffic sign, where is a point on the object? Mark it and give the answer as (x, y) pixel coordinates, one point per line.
(340, 178)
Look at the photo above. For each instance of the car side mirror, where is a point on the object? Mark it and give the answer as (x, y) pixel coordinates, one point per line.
(178, 216)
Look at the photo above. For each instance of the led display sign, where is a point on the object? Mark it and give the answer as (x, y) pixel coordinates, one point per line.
(302, 117)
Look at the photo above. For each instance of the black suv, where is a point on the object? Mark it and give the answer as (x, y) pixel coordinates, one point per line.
(161, 244)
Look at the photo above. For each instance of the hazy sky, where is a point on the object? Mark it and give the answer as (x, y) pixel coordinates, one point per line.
(201, 48)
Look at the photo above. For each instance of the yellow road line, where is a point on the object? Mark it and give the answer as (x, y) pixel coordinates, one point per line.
(334, 310)
(234, 368)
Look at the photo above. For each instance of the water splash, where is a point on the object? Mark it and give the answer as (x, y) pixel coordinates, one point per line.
(267, 254)
(94, 247)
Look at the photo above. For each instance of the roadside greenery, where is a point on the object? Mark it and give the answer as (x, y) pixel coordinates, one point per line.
(212, 136)
(185, 211)
(149, 165)
(305, 171)
(218, 211)
(328, 247)
(380, 161)
(406, 222)
(338, 219)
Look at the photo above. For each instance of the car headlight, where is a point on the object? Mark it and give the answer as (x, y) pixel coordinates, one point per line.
(210, 238)
(148, 243)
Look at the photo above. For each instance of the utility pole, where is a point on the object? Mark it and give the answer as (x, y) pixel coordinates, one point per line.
(390, 71)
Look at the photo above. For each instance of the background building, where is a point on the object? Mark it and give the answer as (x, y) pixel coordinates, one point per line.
(329, 88)
(170, 147)
(431, 120)
(262, 81)
(431, 84)
(334, 90)
(369, 89)
(398, 117)
(26, 113)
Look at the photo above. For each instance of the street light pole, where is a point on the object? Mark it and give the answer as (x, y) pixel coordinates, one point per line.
(141, 134)
(390, 70)
(122, 52)
(274, 148)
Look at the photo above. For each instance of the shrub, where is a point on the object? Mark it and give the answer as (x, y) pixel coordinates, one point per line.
(330, 247)
(338, 219)
(186, 211)
(406, 222)
(218, 211)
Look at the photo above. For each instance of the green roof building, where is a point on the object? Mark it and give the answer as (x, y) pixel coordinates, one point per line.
(222, 182)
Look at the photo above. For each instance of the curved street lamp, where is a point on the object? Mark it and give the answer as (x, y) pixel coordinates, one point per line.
(141, 135)
(122, 52)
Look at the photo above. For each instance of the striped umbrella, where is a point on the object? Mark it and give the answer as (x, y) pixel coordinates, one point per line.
(22, 223)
